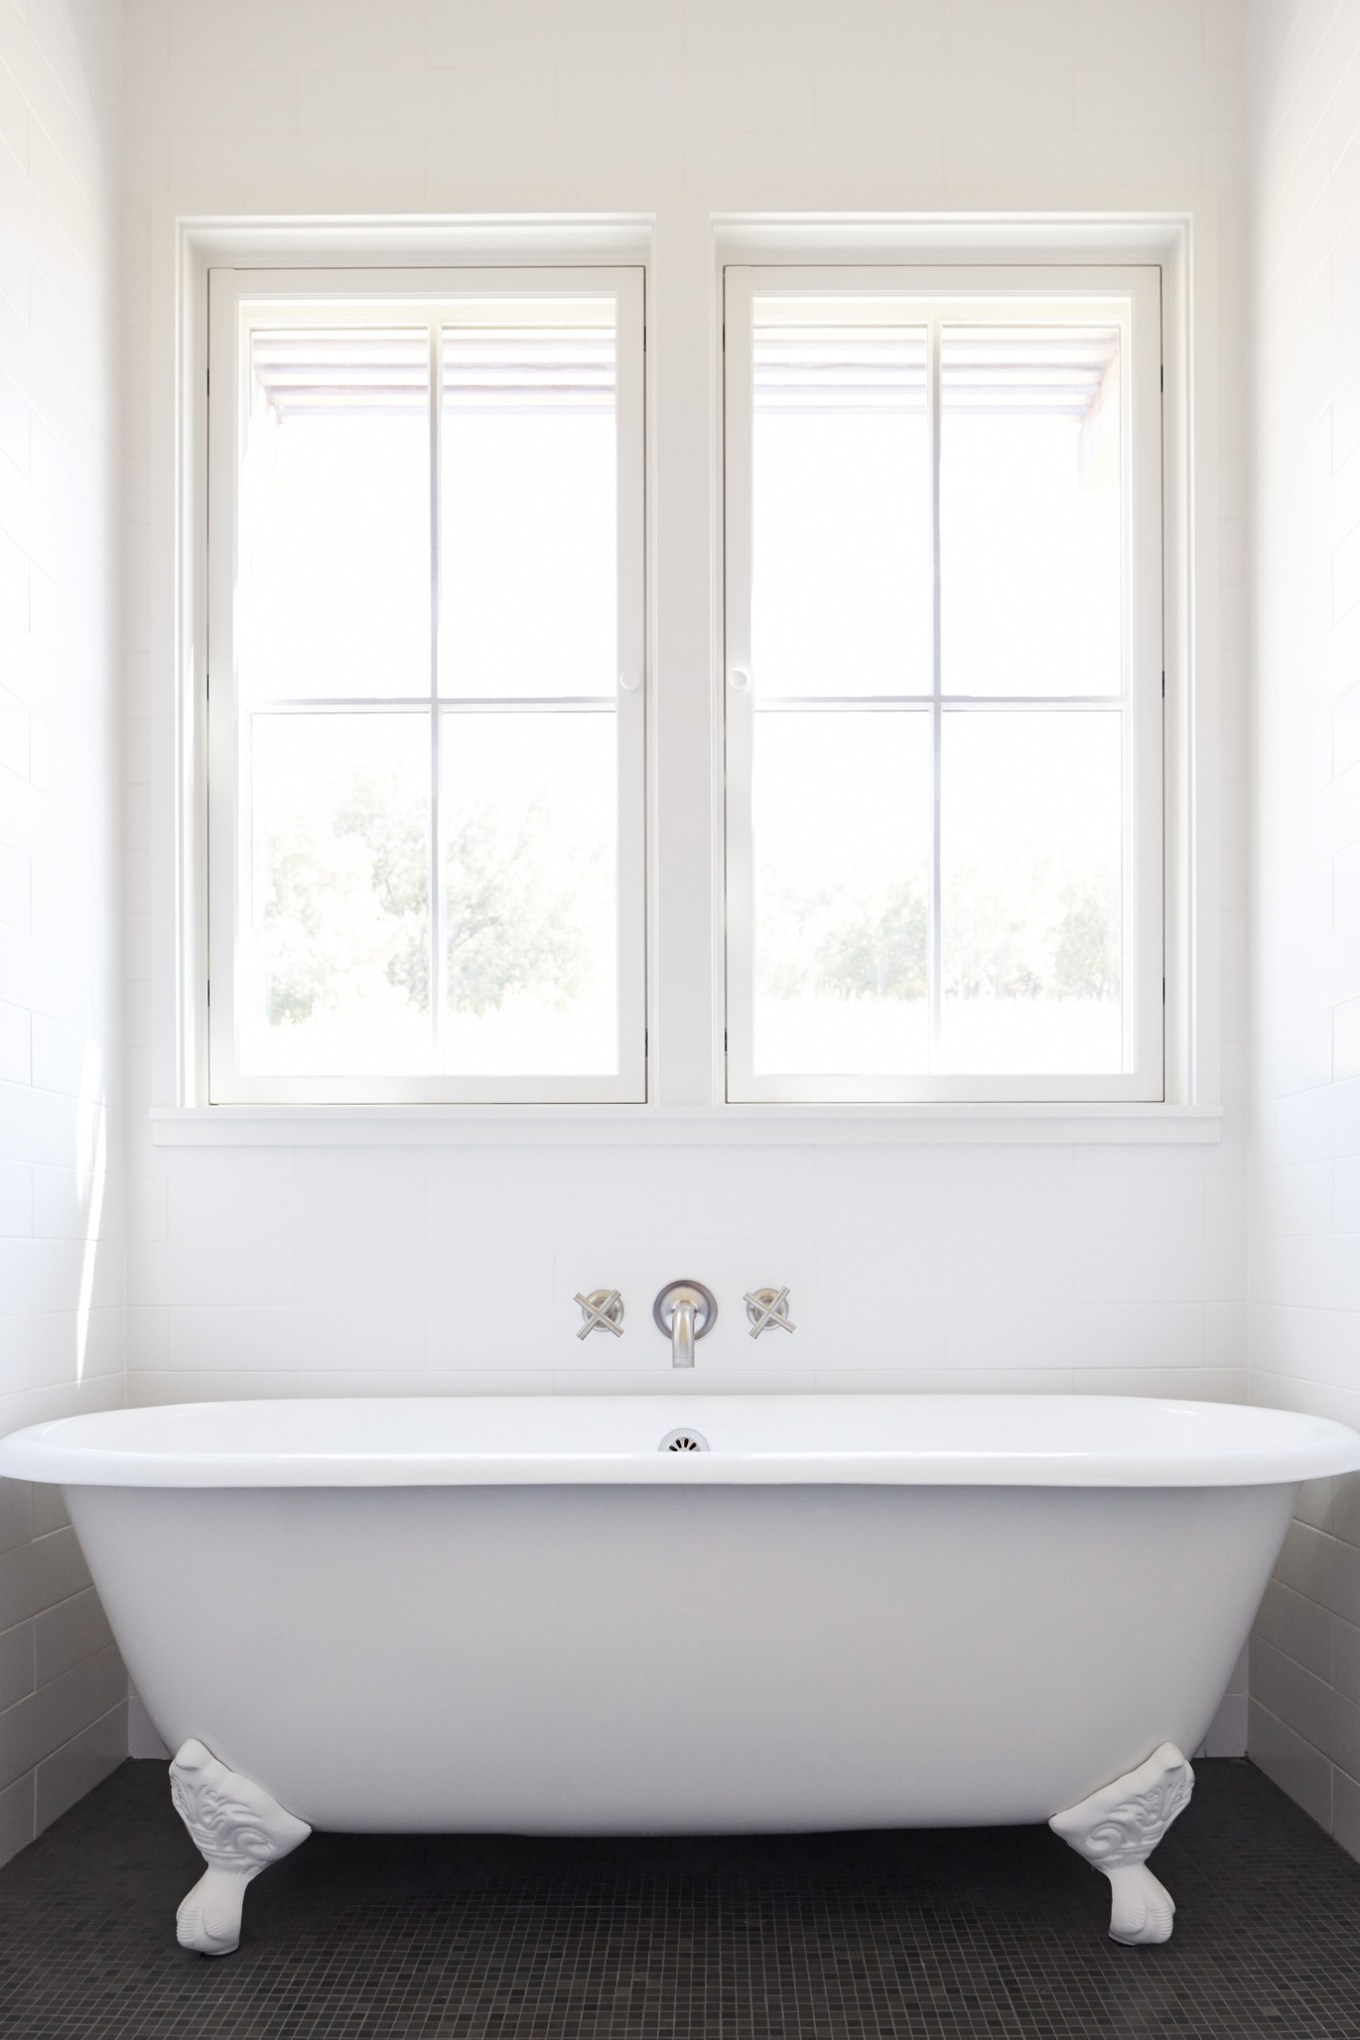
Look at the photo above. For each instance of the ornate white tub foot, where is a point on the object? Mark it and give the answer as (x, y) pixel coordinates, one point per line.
(238, 1830)
(1118, 1828)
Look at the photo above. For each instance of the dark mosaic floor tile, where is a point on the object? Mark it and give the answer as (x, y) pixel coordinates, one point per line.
(995, 1934)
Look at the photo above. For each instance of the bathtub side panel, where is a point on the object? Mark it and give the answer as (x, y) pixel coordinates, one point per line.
(616, 1660)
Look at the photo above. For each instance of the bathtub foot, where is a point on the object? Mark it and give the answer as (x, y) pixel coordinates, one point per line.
(238, 1830)
(1118, 1828)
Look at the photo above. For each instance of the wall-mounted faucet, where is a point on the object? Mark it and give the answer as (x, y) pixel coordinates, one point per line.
(684, 1311)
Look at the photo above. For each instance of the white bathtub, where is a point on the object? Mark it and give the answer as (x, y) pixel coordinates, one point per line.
(519, 1614)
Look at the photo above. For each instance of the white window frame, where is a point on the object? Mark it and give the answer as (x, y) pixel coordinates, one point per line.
(683, 248)
(241, 300)
(933, 297)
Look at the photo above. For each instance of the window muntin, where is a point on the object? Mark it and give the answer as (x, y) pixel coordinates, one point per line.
(943, 542)
(425, 707)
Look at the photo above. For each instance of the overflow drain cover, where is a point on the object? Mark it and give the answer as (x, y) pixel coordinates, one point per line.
(683, 1441)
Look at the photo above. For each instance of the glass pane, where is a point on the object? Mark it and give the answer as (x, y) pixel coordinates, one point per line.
(333, 594)
(841, 595)
(1030, 867)
(841, 838)
(1031, 506)
(335, 959)
(530, 819)
(529, 551)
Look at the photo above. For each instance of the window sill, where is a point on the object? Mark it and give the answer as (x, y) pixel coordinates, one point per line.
(681, 1126)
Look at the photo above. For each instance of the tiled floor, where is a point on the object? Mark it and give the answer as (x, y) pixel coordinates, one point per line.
(994, 1933)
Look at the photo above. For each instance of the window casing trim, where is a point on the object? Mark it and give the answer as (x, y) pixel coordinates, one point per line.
(689, 249)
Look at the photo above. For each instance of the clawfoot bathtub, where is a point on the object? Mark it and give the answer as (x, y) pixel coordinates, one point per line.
(523, 1614)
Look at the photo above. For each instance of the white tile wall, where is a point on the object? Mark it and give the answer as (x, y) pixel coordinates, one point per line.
(1044, 1267)
(1305, 1267)
(62, 1307)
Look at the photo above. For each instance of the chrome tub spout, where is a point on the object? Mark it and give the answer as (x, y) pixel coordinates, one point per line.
(684, 1311)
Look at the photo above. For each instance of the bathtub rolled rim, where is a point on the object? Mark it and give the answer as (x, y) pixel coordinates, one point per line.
(83, 1451)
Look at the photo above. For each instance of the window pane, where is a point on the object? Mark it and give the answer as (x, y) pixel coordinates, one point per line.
(841, 828)
(335, 961)
(333, 592)
(841, 595)
(530, 821)
(1031, 892)
(529, 552)
(1031, 542)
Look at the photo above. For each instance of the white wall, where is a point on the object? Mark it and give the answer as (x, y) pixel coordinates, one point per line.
(1305, 1263)
(62, 1707)
(282, 1271)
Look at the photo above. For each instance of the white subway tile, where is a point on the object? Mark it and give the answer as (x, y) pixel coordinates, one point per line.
(1077, 1335)
(227, 1338)
(994, 98)
(15, 1049)
(69, 1632)
(1296, 1197)
(1346, 1812)
(16, 1513)
(204, 1271)
(16, 1818)
(17, 1674)
(49, 1509)
(16, 1198)
(500, 37)
(341, 1194)
(147, 1387)
(239, 105)
(39, 1724)
(1294, 1764)
(379, 1271)
(1298, 1628)
(345, 103)
(976, 31)
(1343, 1502)
(524, 98)
(717, 33)
(231, 1194)
(1190, 1384)
(316, 34)
(82, 1763)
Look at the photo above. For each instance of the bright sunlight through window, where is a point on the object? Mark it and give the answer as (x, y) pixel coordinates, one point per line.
(943, 622)
(424, 664)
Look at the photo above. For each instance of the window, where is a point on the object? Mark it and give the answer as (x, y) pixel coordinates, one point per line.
(425, 702)
(835, 706)
(943, 631)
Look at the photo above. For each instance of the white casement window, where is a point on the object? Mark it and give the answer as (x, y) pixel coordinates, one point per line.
(943, 641)
(425, 653)
(896, 806)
